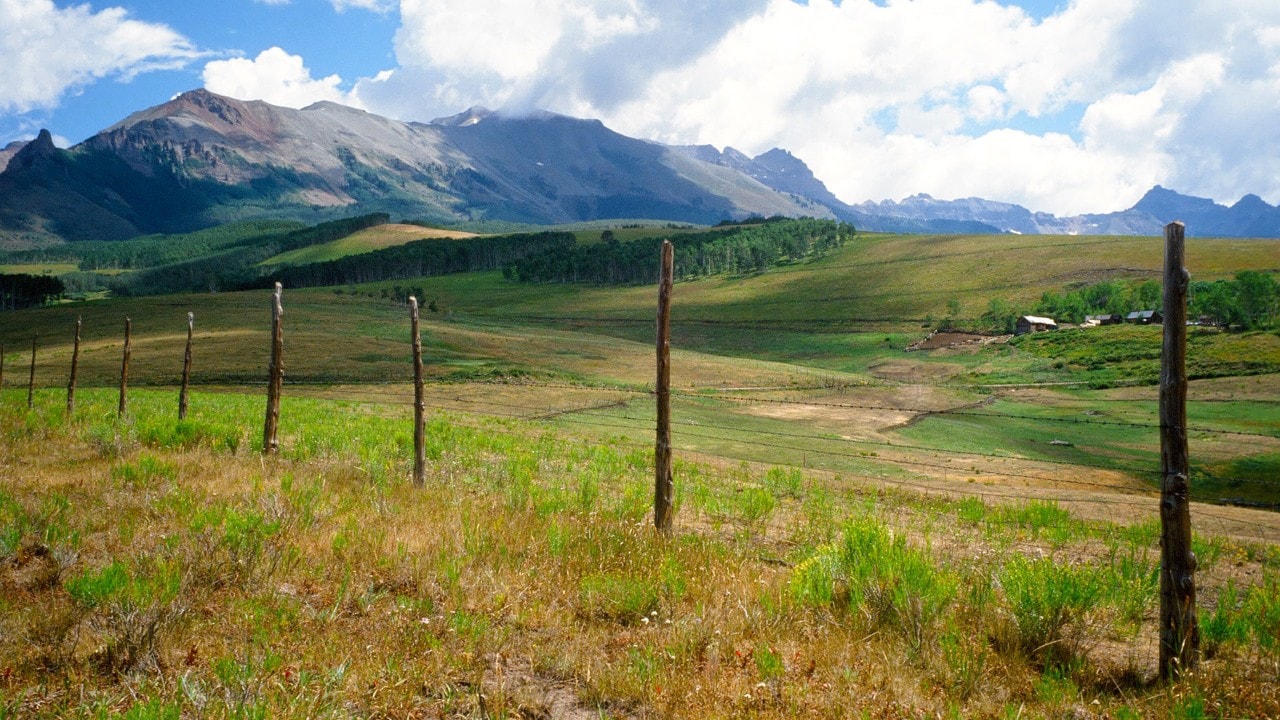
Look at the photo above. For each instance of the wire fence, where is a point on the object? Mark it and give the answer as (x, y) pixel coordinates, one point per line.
(926, 461)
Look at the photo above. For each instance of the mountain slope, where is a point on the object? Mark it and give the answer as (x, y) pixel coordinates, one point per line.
(201, 159)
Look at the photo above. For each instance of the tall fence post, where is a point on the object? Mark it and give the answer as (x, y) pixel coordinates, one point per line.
(1, 367)
(419, 400)
(275, 385)
(124, 369)
(1179, 630)
(186, 368)
(663, 486)
(31, 380)
(75, 365)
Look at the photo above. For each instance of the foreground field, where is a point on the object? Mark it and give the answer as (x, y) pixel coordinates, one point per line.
(155, 569)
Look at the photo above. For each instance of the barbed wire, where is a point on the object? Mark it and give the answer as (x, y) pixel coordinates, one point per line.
(523, 412)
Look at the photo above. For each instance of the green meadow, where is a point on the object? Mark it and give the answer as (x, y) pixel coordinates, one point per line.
(863, 528)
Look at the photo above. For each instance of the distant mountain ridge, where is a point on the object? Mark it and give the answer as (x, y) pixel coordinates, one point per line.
(1250, 217)
(202, 159)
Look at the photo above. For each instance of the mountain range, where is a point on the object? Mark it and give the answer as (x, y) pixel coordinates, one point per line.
(202, 159)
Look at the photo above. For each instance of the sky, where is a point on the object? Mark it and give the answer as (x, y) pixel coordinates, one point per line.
(1062, 106)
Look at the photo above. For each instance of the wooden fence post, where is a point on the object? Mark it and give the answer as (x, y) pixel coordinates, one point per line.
(31, 381)
(275, 385)
(1179, 630)
(663, 486)
(75, 363)
(1, 367)
(419, 400)
(124, 369)
(186, 368)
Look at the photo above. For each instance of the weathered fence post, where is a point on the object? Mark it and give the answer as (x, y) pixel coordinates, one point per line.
(1179, 630)
(31, 381)
(124, 369)
(1, 367)
(186, 368)
(275, 385)
(419, 400)
(75, 363)
(663, 489)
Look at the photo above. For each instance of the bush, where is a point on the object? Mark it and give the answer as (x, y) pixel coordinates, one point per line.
(1049, 603)
(892, 584)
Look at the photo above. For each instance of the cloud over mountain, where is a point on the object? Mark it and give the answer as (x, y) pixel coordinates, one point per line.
(1082, 108)
(48, 51)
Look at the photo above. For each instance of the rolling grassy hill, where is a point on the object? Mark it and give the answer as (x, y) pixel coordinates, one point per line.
(835, 330)
(861, 528)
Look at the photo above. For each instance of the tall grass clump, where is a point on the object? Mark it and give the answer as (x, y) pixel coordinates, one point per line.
(1050, 605)
(876, 573)
(132, 605)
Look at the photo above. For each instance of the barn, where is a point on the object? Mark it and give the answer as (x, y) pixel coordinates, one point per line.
(1032, 323)
(1095, 320)
(1144, 317)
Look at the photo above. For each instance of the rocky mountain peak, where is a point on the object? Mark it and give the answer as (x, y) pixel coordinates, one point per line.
(203, 102)
(35, 151)
(466, 118)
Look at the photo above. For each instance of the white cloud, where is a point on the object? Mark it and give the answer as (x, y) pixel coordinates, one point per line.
(1099, 101)
(574, 56)
(276, 77)
(378, 6)
(47, 51)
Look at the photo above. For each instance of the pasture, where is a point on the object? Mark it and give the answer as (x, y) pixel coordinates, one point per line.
(1007, 487)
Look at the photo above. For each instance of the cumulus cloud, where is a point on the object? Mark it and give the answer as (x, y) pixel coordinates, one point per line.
(49, 51)
(1079, 111)
(572, 56)
(276, 77)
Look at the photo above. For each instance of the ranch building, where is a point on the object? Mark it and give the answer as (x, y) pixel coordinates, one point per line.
(1031, 323)
(1144, 317)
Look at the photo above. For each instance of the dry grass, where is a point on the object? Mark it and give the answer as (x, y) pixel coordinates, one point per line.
(525, 581)
(364, 241)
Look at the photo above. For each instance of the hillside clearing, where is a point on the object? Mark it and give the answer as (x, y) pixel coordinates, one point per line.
(364, 241)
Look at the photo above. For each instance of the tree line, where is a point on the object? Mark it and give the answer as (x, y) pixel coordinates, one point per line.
(149, 251)
(422, 258)
(1249, 301)
(20, 290)
(739, 250)
(237, 267)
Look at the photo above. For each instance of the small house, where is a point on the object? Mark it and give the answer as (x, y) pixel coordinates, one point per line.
(1031, 324)
(1144, 317)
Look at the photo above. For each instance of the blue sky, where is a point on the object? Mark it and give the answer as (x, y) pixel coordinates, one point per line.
(1064, 106)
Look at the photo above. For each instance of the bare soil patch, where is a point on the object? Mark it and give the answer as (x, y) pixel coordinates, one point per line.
(940, 340)
(909, 371)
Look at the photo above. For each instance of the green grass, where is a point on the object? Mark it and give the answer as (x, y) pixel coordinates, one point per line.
(526, 575)
(53, 268)
(839, 325)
